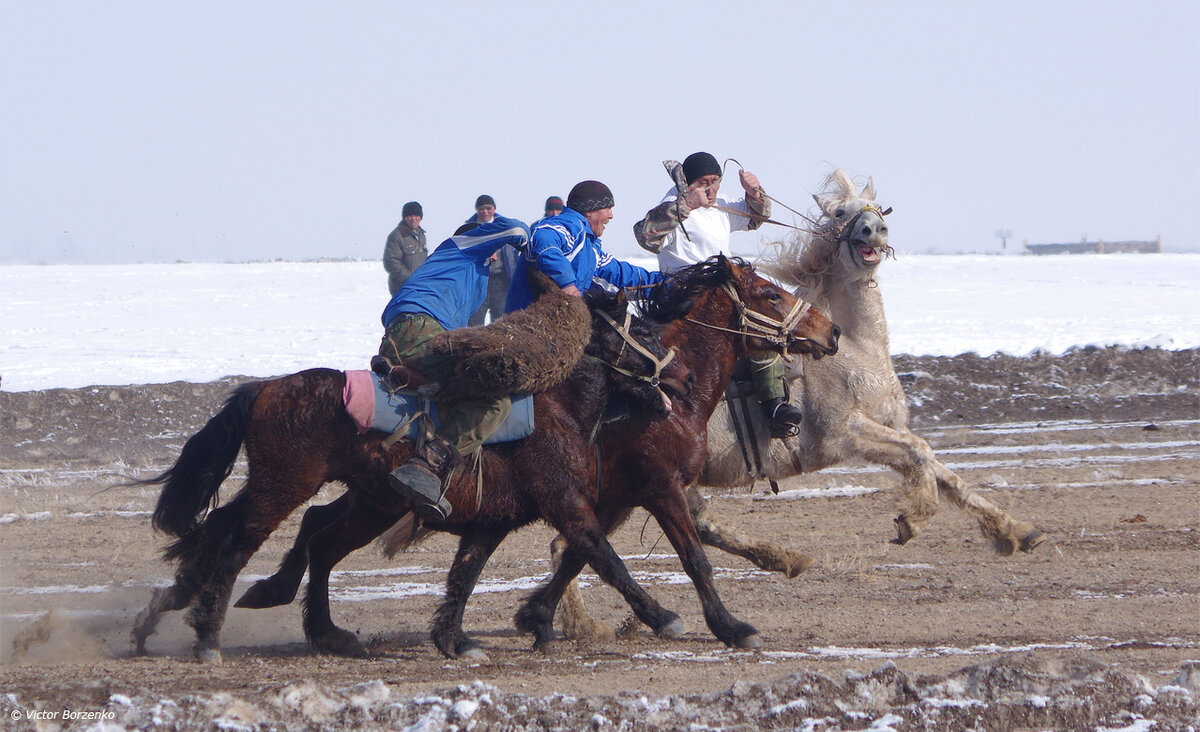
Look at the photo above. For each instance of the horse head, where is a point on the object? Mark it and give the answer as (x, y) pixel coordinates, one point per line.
(852, 221)
(728, 295)
(645, 373)
(847, 241)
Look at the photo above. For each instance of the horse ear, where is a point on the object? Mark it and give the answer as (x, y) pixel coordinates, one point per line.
(868, 191)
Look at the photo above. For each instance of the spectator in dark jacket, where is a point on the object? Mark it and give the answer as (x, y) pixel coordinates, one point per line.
(405, 249)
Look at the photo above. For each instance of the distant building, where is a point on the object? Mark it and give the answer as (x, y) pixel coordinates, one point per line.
(1097, 247)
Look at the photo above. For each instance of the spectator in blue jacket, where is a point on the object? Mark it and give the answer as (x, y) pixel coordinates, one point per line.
(567, 248)
(441, 295)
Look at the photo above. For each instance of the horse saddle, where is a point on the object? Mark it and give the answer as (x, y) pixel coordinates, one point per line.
(374, 406)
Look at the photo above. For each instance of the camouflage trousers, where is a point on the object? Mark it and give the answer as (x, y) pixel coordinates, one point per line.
(466, 422)
(767, 373)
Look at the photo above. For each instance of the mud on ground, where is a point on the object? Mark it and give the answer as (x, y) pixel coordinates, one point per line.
(1099, 628)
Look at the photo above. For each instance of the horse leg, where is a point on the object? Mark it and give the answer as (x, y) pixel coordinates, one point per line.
(474, 549)
(587, 544)
(281, 587)
(908, 455)
(764, 554)
(671, 510)
(577, 624)
(355, 527)
(189, 551)
(1007, 534)
(228, 543)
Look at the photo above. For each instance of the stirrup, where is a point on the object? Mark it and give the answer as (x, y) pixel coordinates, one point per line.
(785, 419)
(423, 489)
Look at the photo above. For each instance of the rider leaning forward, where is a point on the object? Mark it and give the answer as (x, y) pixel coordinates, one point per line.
(694, 222)
(443, 293)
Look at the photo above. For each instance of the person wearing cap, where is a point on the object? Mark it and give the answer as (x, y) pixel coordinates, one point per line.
(405, 249)
(567, 248)
(694, 222)
(485, 210)
(554, 206)
(500, 266)
(441, 296)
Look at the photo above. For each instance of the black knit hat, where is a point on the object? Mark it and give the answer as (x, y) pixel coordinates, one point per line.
(485, 200)
(553, 202)
(590, 195)
(700, 164)
(412, 208)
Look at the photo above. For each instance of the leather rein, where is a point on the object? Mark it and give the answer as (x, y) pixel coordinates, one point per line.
(623, 331)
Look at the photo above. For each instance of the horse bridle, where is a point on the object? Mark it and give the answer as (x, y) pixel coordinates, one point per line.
(752, 324)
(841, 234)
(623, 330)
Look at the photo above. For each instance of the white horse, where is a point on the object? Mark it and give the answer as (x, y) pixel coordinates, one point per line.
(853, 404)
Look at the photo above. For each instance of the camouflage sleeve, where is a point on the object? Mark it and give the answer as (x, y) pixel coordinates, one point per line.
(660, 221)
(763, 209)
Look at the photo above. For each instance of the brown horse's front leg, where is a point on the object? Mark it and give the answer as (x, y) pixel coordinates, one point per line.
(670, 508)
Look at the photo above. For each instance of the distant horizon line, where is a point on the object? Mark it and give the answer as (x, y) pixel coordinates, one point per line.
(334, 260)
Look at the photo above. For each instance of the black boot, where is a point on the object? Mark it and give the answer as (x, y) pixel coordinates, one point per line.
(783, 417)
(420, 480)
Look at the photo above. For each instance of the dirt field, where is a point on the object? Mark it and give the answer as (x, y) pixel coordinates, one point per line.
(1098, 629)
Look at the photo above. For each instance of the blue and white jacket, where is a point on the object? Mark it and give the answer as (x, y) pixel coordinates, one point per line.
(452, 283)
(565, 248)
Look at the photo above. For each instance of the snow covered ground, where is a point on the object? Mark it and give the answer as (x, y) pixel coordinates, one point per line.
(73, 326)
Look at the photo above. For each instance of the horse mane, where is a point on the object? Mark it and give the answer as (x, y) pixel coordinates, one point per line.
(674, 296)
(807, 257)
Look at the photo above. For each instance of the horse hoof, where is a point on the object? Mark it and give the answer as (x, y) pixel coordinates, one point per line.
(904, 530)
(672, 630)
(1031, 541)
(208, 655)
(338, 642)
(1004, 546)
(797, 564)
(475, 655)
(750, 642)
(546, 647)
(260, 595)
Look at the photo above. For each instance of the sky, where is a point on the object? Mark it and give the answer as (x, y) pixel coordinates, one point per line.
(157, 323)
(245, 131)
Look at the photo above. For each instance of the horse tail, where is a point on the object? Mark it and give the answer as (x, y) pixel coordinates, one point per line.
(190, 485)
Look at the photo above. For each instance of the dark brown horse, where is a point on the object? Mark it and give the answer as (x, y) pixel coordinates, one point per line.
(298, 437)
(718, 311)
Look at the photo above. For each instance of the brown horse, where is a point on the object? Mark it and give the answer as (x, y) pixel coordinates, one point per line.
(718, 311)
(298, 436)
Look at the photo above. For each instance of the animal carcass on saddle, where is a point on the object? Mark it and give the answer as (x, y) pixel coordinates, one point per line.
(523, 353)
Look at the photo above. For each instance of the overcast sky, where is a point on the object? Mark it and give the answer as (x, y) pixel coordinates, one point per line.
(234, 131)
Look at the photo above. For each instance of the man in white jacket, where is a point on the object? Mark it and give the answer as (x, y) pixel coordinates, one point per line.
(694, 222)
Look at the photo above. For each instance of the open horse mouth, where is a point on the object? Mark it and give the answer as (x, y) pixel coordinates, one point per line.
(868, 253)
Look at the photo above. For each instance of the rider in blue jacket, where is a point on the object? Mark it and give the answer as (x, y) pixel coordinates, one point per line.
(567, 248)
(441, 295)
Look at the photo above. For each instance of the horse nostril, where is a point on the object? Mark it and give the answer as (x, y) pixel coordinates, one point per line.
(837, 332)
